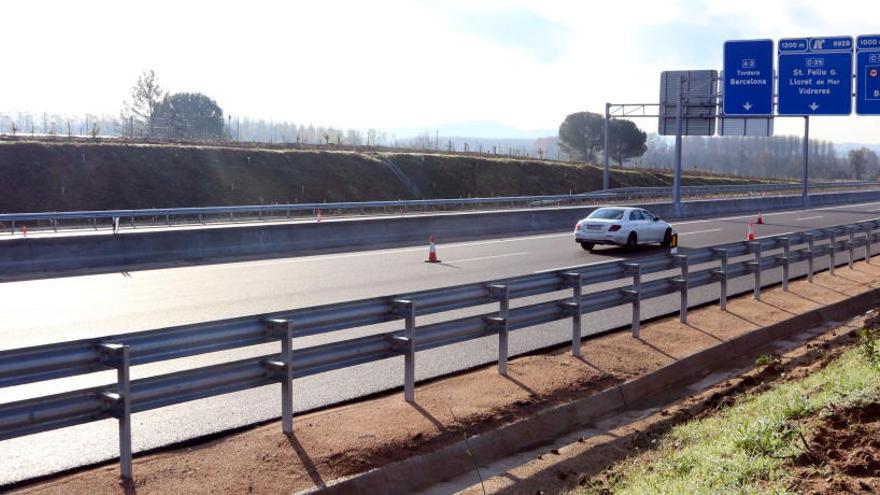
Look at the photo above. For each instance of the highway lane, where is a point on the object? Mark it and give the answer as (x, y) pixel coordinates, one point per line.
(43, 311)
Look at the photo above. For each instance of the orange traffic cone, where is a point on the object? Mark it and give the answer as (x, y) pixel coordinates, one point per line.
(760, 218)
(319, 216)
(432, 252)
(751, 235)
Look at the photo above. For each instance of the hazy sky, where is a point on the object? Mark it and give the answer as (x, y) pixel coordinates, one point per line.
(393, 64)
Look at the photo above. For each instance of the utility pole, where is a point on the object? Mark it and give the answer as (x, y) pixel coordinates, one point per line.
(676, 178)
(805, 193)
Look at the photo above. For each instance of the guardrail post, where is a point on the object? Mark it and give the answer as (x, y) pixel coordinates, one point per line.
(499, 324)
(833, 245)
(407, 309)
(868, 244)
(283, 370)
(756, 267)
(786, 257)
(851, 245)
(721, 273)
(118, 404)
(55, 224)
(811, 255)
(681, 260)
(575, 281)
(635, 270)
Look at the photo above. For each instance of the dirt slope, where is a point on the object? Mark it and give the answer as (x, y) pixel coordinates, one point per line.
(46, 176)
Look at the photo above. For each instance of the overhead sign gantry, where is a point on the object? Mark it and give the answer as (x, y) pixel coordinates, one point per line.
(815, 78)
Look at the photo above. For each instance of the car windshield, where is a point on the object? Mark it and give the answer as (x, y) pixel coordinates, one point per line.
(607, 214)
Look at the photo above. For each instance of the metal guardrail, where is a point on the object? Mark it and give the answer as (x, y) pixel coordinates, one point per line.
(120, 352)
(93, 218)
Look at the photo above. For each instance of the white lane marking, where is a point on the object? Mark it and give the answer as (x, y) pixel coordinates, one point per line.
(307, 259)
(809, 218)
(511, 239)
(486, 257)
(700, 231)
(875, 209)
(852, 205)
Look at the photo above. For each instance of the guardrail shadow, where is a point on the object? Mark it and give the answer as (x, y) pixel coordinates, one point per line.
(306, 460)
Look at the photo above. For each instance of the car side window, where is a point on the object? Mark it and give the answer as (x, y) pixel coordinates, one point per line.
(649, 216)
(636, 215)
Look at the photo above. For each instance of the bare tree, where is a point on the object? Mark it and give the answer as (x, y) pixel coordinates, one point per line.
(864, 162)
(146, 97)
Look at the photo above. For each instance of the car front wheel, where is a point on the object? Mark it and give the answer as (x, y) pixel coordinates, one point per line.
(667, 239)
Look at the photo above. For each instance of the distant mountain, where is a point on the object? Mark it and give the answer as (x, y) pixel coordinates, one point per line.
(477, 129)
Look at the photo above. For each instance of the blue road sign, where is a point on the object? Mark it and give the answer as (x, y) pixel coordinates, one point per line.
(815, 76)
(868, 75)
(748, 77)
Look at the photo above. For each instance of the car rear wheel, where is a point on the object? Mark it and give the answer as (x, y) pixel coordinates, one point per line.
(632, 242)
(667, 239)
(588, 246)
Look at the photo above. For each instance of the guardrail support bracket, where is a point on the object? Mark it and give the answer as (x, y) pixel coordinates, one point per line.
(118, 403)
(811, 255)
(833, 253)
(681, 260)
(283, 330)
(786, 262)
(721, 273)
(407, 309)
(499, 324)
(576, 282)
(755, 266)
(633, 294)
(851, 246)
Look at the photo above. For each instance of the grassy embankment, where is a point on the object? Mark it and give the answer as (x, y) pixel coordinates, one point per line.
(779, 441)
(45, 176)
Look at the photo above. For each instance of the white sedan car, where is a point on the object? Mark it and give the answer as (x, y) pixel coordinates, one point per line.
(622, 226)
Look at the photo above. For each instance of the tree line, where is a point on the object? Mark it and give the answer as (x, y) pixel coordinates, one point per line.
(774, 157)
(582, 134)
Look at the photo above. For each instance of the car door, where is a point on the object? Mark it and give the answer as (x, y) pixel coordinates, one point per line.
(657, 228)
(637, 225)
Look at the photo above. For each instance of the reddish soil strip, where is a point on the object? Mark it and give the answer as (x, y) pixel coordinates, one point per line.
(347, 440)
(844, 453)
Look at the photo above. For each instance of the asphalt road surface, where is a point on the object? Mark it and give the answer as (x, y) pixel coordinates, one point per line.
(44, 311)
